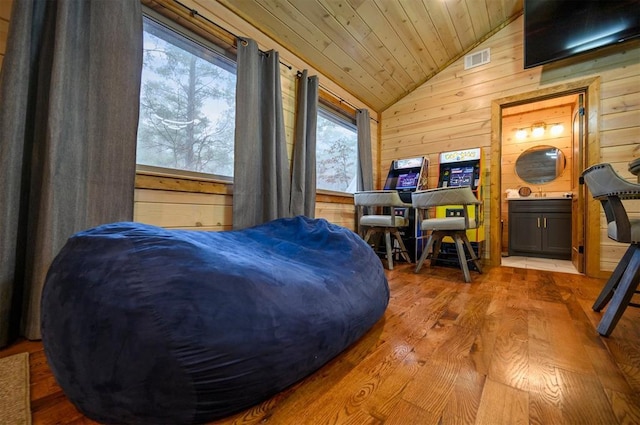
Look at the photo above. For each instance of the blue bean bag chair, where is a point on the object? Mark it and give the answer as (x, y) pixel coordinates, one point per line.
(143, 325)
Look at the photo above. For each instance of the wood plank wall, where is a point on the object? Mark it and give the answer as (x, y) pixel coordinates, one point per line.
(453, 110)
(211, 210)
(5, 16)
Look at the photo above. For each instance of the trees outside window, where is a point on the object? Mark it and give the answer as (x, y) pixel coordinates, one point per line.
(337, 152)
(187, 112)
(187, 104)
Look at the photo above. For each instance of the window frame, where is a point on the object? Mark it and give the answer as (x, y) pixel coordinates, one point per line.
(228, 55)
(338, 112)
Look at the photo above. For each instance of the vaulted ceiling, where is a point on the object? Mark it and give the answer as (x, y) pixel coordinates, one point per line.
(378, 50)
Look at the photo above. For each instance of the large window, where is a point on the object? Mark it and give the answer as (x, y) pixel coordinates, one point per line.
(336, 152)
(187, 103)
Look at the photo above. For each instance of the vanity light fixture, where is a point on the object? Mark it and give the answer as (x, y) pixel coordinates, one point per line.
(538, 129)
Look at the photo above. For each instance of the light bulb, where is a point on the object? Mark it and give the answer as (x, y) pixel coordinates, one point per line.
(521, 134)
(538, 131)
(557, 129)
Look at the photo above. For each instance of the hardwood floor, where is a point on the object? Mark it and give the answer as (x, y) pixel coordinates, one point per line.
(515, 346)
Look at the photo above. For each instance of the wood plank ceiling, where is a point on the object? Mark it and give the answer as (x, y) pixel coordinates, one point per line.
(378, 50)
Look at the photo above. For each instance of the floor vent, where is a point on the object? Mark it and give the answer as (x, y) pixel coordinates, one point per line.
(478, 58)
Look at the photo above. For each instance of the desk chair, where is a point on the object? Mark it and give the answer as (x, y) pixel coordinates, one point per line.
(455, 227)
(610, 189)
(369, 205)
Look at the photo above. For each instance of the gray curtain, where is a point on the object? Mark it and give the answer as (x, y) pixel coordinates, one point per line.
(69, 97)
(365, 163)
(261, 182)
(303, 179)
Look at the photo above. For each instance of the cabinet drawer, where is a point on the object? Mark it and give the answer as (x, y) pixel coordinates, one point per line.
(540, 205)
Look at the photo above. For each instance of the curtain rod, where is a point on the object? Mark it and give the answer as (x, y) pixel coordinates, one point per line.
(194, 13)
(343, 100)
(337, 96)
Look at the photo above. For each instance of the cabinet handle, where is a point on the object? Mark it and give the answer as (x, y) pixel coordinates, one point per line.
(545, 222)
(538, 222)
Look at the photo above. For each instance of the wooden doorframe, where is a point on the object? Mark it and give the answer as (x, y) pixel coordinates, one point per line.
(578, 126)
(591, 88)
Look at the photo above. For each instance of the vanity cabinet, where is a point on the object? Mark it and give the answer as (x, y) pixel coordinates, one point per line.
(540, 228)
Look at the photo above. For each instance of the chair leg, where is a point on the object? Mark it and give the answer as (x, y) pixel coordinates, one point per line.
(368, 234)
(612, 283)
(472, 253)
(462, 257)
(622, 296)
(403, 248)
(425, 252)
(437, 245)
(387, 238)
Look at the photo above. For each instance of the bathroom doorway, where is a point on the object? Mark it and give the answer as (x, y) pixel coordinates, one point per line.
(572, 107)
(540, 149)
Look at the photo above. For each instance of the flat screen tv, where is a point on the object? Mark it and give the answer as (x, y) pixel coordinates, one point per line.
(558, 29)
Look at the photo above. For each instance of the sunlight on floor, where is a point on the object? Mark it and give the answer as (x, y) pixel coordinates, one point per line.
(563, 266)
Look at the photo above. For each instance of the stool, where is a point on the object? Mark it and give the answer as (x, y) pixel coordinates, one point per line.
(455, 227)
(368, 205)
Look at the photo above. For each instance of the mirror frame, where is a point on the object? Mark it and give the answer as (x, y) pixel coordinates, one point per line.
(540, 164)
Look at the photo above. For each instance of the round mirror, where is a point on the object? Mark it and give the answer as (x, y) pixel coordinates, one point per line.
(540, 164)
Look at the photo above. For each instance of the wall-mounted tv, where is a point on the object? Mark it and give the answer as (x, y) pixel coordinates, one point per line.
(558, 29)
